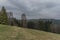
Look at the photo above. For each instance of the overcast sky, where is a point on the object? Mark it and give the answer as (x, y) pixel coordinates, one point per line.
(33, 8)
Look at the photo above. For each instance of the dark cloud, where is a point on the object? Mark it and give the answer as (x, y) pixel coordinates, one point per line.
(34, 8)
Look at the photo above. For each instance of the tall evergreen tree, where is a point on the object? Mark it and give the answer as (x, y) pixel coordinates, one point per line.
(31, 24)
(3, 16)
(45, 25)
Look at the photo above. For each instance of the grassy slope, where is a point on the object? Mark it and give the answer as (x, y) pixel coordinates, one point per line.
(16, 33)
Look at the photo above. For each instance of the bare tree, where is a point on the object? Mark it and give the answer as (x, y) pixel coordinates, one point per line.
(24, 20)
(11, 19)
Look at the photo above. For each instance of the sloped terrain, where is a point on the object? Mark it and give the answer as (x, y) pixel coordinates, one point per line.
(17, 33)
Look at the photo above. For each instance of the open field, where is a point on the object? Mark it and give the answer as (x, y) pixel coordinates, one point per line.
(16, 33)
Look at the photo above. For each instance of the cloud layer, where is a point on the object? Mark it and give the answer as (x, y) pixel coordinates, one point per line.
(33, 8)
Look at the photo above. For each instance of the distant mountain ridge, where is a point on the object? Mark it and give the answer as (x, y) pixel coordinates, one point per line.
(55, 21)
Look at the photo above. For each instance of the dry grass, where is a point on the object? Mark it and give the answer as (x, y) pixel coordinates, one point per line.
(16, 33)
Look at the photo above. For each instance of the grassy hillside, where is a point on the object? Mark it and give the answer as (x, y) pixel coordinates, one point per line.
(16, 33)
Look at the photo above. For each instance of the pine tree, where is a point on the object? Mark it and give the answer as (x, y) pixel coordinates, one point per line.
(3, 16)
(31, 24)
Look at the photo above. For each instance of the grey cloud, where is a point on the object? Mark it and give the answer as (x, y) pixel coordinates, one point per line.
(35, 8)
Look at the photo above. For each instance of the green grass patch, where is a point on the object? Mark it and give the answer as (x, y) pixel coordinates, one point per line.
(17, 33)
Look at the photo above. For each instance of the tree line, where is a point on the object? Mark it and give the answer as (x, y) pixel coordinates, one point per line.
(39, 25)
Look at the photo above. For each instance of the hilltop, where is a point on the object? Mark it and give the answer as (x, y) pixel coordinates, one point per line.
(17, 33)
